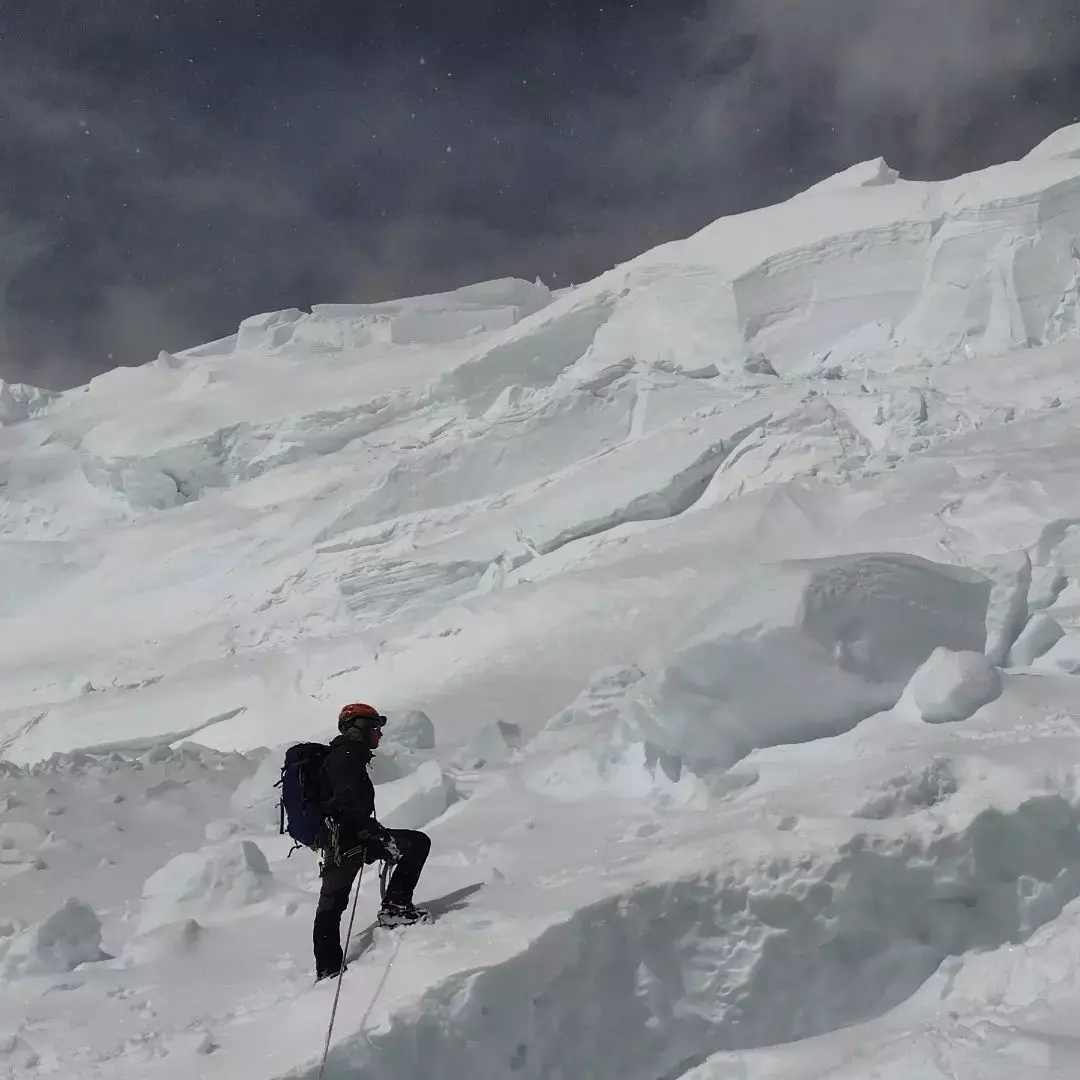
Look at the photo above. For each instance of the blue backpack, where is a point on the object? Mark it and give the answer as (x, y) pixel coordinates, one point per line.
(302, 814)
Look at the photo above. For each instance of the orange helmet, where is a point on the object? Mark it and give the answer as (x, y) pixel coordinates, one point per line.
(357, 714)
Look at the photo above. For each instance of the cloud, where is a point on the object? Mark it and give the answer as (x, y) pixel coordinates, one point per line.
(270, 158)
(132, 224)
(163, 224)
(916, 70)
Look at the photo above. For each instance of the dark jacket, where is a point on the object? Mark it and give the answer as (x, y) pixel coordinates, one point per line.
(348, 793)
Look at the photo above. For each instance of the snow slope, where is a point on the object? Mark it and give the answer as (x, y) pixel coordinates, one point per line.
(739, 590)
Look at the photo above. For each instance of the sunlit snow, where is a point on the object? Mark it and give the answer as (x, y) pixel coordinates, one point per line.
(727, 612)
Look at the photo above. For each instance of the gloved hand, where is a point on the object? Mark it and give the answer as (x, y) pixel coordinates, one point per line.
(393, 852)
(380, 844)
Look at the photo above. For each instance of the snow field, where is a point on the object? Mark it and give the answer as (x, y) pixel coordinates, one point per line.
(726, 611)
(701, 962)
(704, 946)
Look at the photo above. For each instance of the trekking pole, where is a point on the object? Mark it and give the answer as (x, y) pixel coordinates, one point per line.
(341, 972)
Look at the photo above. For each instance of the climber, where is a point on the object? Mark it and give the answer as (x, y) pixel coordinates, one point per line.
(348, 797)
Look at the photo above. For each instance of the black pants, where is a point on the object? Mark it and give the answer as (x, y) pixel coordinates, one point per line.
(337, 883)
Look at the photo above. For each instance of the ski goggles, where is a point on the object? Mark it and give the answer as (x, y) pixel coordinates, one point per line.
(370, 721)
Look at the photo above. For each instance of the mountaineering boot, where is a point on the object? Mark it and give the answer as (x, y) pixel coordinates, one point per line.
(397, 913)
(331, 973)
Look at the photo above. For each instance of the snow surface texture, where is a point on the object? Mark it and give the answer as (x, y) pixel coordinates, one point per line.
(726, 609)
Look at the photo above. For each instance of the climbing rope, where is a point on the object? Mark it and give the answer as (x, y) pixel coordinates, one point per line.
(382, 981)
(341, 972)
(384, 878)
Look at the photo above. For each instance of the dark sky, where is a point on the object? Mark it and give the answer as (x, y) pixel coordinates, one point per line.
(168, 167)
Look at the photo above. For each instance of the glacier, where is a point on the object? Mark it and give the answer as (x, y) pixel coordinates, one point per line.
(726, 609)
